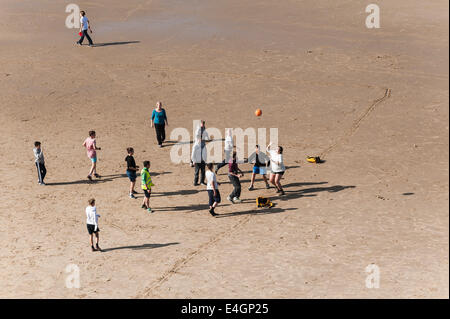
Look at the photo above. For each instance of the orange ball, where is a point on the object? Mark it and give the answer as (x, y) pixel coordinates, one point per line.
(258, 112)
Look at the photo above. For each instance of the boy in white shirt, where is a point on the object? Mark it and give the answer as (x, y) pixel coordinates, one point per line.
(213, 189)
(92, 223)
(40, 162)
(85, 25)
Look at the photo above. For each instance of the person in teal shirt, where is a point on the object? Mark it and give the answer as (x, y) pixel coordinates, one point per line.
(159, 120)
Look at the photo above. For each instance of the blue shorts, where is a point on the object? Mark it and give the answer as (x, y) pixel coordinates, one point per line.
(94, 159)
(259, 170)
(213, 198)
(131, 175)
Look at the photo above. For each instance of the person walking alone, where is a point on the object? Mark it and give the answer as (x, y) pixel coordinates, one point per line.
(85, 25)
(159, 120)
(40, 162)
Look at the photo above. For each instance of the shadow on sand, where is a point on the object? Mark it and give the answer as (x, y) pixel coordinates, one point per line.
(140, 247)
(114, 43)
(263, 211)
(187, 208)
(309, 191)
(102, 179)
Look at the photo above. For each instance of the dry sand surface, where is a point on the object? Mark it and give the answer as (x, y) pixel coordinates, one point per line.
(316, 71)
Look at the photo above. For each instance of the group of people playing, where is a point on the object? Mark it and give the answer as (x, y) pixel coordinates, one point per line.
(204, 172)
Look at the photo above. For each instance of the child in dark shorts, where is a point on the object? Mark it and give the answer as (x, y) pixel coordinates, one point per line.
(146, 185)
(212, 186)
(132, 168)
(92, 223)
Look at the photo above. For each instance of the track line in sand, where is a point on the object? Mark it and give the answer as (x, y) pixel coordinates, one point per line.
(184, 260)
(357, 122)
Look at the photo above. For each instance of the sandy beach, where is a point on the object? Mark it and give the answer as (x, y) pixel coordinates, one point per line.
(372, 102)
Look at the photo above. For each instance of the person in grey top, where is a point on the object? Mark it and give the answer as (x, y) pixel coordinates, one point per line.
(40, 162)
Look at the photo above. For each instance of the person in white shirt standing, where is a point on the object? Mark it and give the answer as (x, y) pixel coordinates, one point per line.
(277, 167)
(92, 223)
(40, 162)
(85, 25)
(213, 189)
(198, 159)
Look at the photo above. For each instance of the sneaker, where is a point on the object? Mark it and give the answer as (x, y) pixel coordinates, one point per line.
(132, 196)
(229, 198)
(79, 43)
(196, 184)
(160, 146)
(134, 192)
(282, 193)
(92, 248)
(42, 183)
(89, 177)
(278, 191)
(237, 200)
(149, 210)
(97, 176)
(203, 183)
(251, 188)
(267, 186)
(98, 247)
(143, 206)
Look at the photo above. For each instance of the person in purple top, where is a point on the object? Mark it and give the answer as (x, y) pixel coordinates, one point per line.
(234, 173)
(159, 120)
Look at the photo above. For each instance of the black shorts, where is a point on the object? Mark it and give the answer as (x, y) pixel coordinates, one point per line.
(147, 193)
(91, 229)
(213, 198)
(279, 173)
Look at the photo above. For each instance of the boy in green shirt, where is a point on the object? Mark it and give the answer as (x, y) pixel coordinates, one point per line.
(146, 185)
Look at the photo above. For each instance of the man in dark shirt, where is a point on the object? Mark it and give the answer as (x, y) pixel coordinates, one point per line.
(132, 168)
(234, 173)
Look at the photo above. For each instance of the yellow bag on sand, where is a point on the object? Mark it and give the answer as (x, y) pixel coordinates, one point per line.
(263, 202)
(314, 159)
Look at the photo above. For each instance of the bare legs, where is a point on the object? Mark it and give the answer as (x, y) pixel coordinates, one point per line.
(146, 201)
(252, 182)
(93, 169)
(275, 180)
(132, 187)
(91, 238)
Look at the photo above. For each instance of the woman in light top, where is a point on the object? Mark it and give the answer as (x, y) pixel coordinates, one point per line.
(276, 166)
(159, 120)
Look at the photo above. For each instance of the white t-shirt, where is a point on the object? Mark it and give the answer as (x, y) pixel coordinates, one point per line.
(275, 168)
(210, 179)
(84, 23)
(228, 143)
(198, 153)
(91, 215)
(201, 134)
